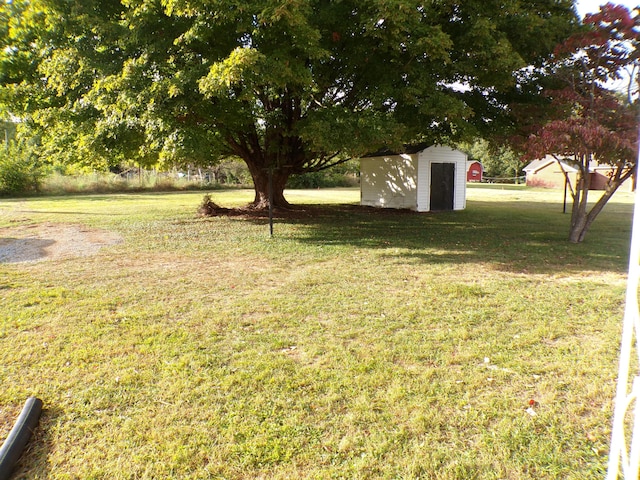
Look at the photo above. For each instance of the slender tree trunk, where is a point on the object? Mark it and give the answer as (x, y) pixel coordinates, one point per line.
(584, 219)
(593, 213)
(578, 229)
(579, 208)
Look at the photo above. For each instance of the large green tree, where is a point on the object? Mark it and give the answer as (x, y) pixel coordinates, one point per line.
(289, 86)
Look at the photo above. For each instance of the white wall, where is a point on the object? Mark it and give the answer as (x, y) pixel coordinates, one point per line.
(441, 154)
(389, 181)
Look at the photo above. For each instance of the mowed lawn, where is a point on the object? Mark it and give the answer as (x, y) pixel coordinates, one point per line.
(356, 343)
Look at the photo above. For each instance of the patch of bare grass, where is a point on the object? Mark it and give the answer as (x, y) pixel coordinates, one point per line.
(38, 242)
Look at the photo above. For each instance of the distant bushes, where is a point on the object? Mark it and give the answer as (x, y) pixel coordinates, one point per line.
(20, 169)
(343, 175)
(22, 173)
(101, 182)
(324, 179)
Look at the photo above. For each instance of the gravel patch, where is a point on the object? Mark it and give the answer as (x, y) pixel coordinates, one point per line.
(36, 243)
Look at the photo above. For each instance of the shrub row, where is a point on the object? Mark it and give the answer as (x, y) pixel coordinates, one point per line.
(20, 170)
(23, 173)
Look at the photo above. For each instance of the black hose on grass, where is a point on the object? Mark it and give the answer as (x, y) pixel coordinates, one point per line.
(19, 436)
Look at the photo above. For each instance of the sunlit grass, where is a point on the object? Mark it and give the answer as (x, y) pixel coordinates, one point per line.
(356, 343)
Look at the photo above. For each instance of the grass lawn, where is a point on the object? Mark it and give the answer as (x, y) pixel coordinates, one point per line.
(356, 344)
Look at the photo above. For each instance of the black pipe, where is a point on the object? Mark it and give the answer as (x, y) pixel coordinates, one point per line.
(19, 436)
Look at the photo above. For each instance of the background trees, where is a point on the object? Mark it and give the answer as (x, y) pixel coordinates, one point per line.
(289, 87)
(498, 161)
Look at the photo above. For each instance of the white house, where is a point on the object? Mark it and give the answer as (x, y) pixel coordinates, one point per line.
(421, 179)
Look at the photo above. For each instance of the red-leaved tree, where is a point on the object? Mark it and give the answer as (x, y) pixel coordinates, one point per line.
(588, 122)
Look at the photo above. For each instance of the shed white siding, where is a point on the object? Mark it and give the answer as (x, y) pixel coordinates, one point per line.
(404, 180)
(389, 181)
(441, 154)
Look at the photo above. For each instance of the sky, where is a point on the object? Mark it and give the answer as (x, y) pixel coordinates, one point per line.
(592, 6)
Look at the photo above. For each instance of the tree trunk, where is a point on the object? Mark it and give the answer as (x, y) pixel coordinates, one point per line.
(261, 187)
(584, 219)
(593, 213)
(578, 228)
(579, 208)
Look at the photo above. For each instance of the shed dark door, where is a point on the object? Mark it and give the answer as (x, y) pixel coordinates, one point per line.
(442, 182)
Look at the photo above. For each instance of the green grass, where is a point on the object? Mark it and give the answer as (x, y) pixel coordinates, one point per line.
(357, 343)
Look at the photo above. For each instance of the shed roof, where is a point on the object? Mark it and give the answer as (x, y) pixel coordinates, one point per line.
(406, 149)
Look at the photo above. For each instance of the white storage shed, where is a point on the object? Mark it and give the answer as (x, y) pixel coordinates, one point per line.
(422, 179)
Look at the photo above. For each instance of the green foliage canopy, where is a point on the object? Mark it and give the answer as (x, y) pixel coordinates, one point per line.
(288, 86)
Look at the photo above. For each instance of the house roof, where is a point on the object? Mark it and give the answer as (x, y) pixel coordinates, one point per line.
(536, 165)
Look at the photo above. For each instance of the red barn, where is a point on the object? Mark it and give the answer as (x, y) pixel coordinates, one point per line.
(474, 171)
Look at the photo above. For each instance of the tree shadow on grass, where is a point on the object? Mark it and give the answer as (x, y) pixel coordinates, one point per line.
(511, 236)
(17, 250)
